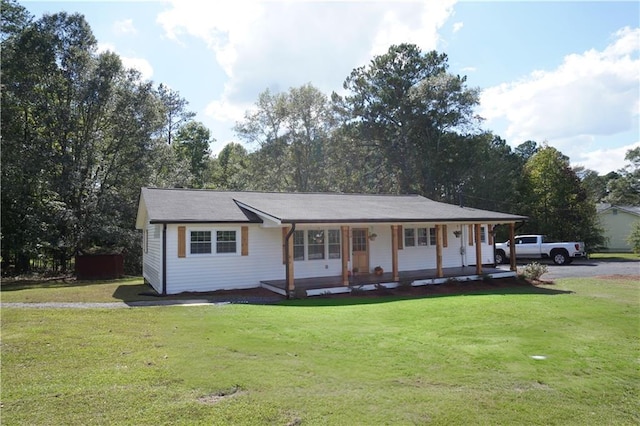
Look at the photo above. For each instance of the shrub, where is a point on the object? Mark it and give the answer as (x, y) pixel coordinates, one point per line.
(534, 271)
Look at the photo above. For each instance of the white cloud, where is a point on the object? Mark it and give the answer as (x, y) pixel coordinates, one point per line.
(124, 27)
(590, 94)
(457, 26)
(139, 64)
(224, 26)
(405, 26)
(604, 161)
(278, 45)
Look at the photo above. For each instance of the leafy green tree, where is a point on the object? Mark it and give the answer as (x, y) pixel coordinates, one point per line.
(526, 150)
(192, 144)
(595, 184)
(403, 104)
(175, 111)
(624, 189)
(80, 135)
(229, 170)
(15, 18)
(292, 131)
(556, 201)
(634, 237)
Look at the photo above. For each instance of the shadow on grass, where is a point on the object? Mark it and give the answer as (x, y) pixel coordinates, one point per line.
(431, 291)
(135, 293)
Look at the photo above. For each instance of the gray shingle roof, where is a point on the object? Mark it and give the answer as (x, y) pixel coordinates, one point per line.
(602, 207)
(188, 205)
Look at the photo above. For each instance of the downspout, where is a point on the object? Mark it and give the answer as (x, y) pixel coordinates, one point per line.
(286, 254)
(164, 260)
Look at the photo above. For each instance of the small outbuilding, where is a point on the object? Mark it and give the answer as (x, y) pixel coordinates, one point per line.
(617, 222)
(205, 240)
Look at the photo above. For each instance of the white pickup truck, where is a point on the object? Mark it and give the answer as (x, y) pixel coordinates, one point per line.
(539, 247)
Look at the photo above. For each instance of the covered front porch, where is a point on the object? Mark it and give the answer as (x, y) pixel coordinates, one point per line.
(334, 284)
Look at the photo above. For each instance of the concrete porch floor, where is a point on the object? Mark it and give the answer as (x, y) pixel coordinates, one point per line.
(333, 284)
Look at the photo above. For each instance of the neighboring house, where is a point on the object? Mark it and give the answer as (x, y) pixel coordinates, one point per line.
(617, 223)
(204, 240)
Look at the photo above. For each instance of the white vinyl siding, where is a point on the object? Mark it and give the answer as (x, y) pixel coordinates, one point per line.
(225, 271)
(152, 256)
(264, 259)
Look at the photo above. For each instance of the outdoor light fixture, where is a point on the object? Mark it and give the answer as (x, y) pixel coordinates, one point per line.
(457, 233)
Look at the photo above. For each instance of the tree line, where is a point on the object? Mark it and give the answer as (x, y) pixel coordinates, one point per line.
(81, 134)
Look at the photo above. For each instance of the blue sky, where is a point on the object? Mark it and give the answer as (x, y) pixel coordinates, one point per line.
(567, 73)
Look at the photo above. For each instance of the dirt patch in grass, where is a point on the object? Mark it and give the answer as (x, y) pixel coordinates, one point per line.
(215, 398)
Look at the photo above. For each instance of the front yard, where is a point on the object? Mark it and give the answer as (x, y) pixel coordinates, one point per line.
(563, 354)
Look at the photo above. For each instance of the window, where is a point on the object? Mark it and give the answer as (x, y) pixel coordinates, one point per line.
(432, 236)
(359, 240)
(214, 241)
(146, 241)
(409, 237)
(422, 237)
(334, 244)
(200, 242)
(225, 242)
(315, 241)
(483, 234)
(298, 245)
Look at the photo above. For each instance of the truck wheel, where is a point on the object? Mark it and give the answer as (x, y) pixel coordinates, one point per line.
(560, 257)
(500, 257)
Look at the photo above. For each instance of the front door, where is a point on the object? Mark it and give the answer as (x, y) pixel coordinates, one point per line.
(360, 250)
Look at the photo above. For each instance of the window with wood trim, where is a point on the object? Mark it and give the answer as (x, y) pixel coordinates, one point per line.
(226, 242)
(422, 237)
(216, 241)
(409, 237)
(200, 242)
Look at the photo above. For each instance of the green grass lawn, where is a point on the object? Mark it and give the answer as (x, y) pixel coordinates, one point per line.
(126, 289)
(615, 256)
(436, 360)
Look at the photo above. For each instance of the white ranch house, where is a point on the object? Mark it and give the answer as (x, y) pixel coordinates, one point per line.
(205, 240)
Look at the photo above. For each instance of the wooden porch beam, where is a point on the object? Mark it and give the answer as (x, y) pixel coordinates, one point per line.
(512, 247)
(394, 252)
(477, 229)
(439, 242)
(289, 262)
(345, 254)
